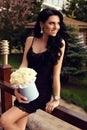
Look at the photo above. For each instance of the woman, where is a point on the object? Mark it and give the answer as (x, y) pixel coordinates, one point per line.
(44, 52)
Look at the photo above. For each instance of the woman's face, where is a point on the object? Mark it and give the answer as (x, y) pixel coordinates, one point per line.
(51, 26)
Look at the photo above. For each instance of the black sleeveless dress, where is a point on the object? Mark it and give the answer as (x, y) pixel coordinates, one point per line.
(44, 68)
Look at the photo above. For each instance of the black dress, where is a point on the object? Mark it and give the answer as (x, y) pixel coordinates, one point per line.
(44, 68)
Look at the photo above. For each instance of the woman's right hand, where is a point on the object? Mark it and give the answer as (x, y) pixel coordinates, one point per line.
(20, 97)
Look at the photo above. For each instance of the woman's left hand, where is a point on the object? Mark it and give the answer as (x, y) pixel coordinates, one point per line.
(51, 105)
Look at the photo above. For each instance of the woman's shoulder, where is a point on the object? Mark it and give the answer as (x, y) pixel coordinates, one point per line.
(63, 41)
(29, 41)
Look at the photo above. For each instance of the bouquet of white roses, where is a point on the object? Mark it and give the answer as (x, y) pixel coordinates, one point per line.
(24, 79)
(23, 76)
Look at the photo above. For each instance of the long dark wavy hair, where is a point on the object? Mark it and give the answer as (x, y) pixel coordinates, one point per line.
(54, 44)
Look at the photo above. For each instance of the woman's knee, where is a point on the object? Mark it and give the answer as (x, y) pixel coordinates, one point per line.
(4, 120)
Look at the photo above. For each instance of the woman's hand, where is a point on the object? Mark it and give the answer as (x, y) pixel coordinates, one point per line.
(20, 97)
(51, 105)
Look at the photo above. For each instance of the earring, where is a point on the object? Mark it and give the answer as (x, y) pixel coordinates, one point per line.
(41, 31)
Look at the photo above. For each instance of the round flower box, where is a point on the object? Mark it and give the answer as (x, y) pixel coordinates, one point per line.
(29, 91)
(24, 79)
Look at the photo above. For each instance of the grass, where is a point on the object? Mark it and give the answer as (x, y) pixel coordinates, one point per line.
(14, 60)
(76, 94)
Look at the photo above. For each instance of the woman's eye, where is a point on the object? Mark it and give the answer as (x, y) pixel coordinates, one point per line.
(51, 23)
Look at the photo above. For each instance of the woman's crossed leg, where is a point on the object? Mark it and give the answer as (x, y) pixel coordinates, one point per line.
(14, 119)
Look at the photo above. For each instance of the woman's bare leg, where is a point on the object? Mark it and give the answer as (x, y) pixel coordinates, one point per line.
(22, 122)
(14, 119)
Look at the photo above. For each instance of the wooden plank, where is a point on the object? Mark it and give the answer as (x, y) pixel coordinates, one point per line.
(77, 119)
(5, 86)
(6, 98)
(5, 71)
(41, 120)
(6, 95)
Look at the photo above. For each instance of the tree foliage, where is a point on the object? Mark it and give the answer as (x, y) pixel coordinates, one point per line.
(75, 62)
(15, 12)
(13, 17)
(76, 9)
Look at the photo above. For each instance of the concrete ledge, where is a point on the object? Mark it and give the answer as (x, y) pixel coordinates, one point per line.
(41, 120)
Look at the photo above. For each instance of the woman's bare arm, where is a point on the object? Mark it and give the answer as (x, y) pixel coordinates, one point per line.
(56, 83)
(27, 47)
(24, 63)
